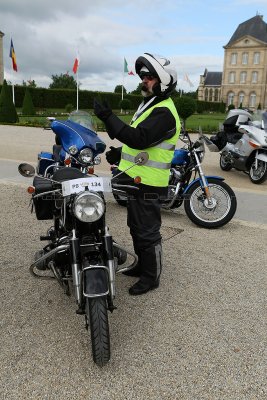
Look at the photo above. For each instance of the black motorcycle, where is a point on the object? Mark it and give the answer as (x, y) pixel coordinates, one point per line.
(80, 251)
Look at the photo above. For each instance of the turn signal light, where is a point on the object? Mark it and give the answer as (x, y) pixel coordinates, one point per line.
(31, 189)
(67, 161)
(90, 170)
(137, 179)
(254, 145)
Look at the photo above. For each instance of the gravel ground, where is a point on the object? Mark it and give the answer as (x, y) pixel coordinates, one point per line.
(201, 335)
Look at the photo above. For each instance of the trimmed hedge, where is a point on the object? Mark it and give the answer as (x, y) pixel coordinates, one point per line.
(58, 98)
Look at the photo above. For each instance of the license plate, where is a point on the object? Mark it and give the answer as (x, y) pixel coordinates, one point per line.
(93, 184)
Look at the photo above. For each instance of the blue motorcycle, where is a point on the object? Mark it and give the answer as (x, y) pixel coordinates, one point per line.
(208, 201)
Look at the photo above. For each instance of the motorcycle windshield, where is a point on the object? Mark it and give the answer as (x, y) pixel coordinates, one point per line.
(73, 134)
(260, 120)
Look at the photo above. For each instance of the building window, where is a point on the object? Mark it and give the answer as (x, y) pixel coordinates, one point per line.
(256, 58)
(252, 100)
(233, 58)
(243, 77)
(206, 94)
(232, 77)
(244, 58)
(230, 98)
(241, 98)
(254, 77)
(210, 95)
(216, 95)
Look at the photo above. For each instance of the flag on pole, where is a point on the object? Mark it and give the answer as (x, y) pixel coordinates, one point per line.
(130, 73)
(125, 66)
(188, 80)
(12, 55)
(76, 64)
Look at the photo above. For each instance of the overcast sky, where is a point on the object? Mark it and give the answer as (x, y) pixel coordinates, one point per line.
(47, 34)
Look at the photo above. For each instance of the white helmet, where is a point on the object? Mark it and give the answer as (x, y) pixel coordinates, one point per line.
(157, 66)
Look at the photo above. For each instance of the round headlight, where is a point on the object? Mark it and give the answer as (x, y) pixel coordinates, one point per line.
(88, 207)
(86, 156)
(73, 150)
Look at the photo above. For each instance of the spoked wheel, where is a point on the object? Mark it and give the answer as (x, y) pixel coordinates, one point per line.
(97, 319)
(224, 164)
(214, 213)
(258, 171)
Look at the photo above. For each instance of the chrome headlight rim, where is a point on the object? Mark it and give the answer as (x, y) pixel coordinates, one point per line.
(86, 156)
(88, 207)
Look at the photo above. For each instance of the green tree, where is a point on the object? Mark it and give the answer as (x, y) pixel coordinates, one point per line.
(231, 107)
(8, 111)
(138, 89)
(30, 83)
(63, 81)
(125, 105)
(185, 107)
(27, 105)
(118, 89)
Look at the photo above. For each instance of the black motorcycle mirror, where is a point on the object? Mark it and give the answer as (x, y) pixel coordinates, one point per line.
(26, 170)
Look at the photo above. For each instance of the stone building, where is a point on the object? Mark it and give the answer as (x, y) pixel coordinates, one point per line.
(1, 58)
(244, 76)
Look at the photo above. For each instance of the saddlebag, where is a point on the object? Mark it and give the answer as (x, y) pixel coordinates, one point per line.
(44, 205)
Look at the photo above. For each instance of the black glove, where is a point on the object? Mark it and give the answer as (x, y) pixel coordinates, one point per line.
(113, 156)
(102, 111)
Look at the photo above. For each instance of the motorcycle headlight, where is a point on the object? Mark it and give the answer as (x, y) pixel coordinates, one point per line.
(88, 207)
(86, 156)
(73, 150)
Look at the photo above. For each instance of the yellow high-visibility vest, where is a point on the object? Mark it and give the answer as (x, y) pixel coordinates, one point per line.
(155, 172)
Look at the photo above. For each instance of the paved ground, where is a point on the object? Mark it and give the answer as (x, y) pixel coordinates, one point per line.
(200, 336)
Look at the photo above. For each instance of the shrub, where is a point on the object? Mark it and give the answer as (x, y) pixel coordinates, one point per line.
(185, 107)
(27, 105)
(125, 104)
(69, 107)
(8, 111)
(231, 107)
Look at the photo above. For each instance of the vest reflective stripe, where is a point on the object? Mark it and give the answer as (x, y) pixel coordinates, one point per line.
(152, 173)
(166, 146)
(149, 163)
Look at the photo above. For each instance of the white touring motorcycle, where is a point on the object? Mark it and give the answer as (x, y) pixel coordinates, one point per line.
(243, 144)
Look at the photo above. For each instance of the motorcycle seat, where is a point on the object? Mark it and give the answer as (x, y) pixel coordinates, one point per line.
(67, 173)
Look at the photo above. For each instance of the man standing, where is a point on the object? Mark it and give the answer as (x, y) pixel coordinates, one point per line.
(154, 129)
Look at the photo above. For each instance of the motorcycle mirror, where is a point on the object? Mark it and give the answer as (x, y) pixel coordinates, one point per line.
(141, 158)
(26, 170)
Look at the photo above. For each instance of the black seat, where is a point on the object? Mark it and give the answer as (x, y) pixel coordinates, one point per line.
(67, 173)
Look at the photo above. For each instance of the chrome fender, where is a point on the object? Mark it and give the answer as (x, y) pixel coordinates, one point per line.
(198, 179)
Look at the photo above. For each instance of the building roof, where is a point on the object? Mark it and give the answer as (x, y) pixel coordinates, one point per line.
(254, 27)
(213, 78)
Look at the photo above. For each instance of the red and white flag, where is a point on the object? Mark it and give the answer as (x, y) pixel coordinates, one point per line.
(76, 64)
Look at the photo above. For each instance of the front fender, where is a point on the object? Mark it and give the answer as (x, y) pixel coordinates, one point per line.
(207, 177)
(262, 157)
(95, 281)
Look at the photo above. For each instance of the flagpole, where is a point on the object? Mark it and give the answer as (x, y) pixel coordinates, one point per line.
(77, 77)
(13, 93)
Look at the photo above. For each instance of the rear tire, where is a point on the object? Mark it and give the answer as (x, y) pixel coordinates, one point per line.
(97, 318)
(258, 175)
(121, 200)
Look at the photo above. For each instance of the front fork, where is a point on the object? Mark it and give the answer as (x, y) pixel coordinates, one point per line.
(76, 266)
(108, 245)
(204, 182)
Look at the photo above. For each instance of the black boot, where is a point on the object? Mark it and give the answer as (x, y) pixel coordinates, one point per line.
(135, 271)
(151, 263)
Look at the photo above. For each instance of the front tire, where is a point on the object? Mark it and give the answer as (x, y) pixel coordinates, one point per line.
(225, 166)
(214, 215)
(258, 175)
(97, 318)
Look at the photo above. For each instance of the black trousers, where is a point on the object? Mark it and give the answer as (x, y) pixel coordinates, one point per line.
(144, 221)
